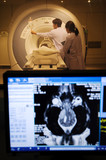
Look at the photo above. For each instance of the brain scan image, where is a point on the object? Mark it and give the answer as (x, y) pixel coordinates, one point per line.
(67, 115)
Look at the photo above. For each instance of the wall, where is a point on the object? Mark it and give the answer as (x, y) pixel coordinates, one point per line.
(93, 16)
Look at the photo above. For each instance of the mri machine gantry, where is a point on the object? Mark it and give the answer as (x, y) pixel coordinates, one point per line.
(22, 43)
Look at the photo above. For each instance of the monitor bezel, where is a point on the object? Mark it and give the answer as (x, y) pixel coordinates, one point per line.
(41, 73)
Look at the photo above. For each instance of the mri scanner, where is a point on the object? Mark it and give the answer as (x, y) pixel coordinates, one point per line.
(27, 51)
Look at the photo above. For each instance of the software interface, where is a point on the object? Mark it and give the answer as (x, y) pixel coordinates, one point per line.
(57, 113)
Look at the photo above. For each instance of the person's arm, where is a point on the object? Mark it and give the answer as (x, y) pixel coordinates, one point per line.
(33, 32)
(46, 34)
(67, 45)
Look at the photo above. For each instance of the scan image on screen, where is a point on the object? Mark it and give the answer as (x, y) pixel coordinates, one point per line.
(68, 115)
(56, 113)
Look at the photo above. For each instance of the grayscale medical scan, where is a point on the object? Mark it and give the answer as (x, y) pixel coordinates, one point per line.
(67, 116)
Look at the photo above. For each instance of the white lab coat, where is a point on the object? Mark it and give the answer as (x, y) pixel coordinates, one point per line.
(72, 52)
(57, 35)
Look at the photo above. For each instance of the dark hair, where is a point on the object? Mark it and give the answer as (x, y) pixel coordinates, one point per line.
(57, 21)
(71, 26)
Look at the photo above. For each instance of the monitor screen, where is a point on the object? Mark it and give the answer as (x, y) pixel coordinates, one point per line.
(55, 111)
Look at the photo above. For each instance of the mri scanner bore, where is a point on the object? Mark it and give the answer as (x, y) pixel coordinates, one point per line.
(27, 51)
(45, 54)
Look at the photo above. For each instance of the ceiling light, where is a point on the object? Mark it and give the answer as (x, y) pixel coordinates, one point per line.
(89, 1)
(4, 1)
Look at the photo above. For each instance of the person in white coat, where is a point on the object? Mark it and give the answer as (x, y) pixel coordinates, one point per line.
(72, 49)
(58, 34)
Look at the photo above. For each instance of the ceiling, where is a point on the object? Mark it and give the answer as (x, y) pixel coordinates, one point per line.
(18, 2)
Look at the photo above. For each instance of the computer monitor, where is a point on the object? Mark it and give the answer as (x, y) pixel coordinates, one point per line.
(55, 111)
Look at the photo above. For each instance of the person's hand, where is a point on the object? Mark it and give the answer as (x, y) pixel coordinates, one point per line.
(33, 32)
